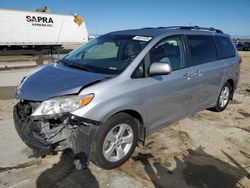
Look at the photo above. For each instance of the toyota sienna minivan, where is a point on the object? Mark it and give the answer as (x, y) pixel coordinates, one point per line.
(107, 96)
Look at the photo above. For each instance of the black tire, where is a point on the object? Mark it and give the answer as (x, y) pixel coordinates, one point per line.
(98, 157)
(24, 127)
(218, 107)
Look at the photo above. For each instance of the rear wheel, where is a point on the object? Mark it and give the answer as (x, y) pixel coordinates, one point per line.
(115, 141)
(223, 98)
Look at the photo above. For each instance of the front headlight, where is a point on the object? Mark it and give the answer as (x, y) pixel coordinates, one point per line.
(62, 104)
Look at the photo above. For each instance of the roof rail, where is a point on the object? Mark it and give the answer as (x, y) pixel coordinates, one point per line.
(193, 28)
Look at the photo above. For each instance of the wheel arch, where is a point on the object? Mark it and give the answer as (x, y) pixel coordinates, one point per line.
(231, 82)
(135, 114)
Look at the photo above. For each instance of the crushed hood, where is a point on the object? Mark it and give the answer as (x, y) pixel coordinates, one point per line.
(55, 80)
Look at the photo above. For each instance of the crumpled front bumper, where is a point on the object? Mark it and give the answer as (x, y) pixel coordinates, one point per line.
(80, 132)
(82, 139)
(24, 125)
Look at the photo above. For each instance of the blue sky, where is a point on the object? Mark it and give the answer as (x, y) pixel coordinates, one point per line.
(232, 16)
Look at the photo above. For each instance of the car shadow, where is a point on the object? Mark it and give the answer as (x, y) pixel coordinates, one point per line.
(197, 169)
(65, 174)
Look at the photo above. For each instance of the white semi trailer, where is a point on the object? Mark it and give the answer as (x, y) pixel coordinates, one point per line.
(40, 29)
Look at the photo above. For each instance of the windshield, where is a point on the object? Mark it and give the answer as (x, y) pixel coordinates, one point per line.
(108, 54)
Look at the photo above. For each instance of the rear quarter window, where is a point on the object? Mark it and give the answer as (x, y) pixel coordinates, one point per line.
(202, 49)
(225, 47)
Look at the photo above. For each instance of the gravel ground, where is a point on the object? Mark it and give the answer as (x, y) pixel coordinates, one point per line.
(208, 150)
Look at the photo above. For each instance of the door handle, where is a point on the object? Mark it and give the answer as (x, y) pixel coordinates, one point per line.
(198, 73)
(187, 76)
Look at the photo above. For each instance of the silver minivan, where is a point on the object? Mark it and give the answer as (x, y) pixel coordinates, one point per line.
(107, 96)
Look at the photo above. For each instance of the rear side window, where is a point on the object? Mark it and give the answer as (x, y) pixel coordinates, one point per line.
(225, 47)
(202, 49)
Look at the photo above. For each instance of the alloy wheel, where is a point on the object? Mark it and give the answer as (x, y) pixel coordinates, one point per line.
(118, 142)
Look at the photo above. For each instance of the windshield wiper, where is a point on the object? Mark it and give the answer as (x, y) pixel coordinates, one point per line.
(74, 65)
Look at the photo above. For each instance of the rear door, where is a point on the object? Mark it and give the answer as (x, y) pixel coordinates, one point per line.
(208, 71)
(168, 96)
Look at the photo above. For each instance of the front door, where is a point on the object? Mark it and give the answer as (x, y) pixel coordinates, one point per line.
(168, 96)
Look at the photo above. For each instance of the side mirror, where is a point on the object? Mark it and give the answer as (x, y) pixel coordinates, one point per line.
(159, 69)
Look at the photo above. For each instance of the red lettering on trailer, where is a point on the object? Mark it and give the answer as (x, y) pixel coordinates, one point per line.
(39, 19)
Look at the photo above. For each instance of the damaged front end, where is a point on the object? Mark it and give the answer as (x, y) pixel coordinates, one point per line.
(55, 133)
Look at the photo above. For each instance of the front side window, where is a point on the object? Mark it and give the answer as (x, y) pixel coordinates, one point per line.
(225, 47)
(202, 49)
(139, 71)
(169, 50)
(108, 54)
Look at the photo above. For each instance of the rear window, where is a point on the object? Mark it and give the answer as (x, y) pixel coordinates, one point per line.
(202, 49)
(225, 47)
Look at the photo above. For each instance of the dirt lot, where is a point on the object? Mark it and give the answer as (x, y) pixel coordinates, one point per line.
(208, 150)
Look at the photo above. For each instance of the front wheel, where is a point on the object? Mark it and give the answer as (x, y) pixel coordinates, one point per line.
(223, 98)
(115, 141)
